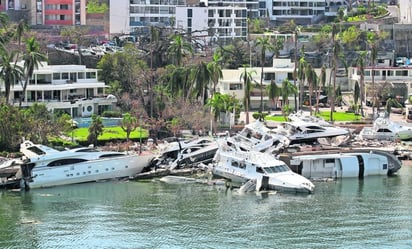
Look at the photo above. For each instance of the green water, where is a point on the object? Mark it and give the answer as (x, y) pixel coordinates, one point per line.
(374, 213)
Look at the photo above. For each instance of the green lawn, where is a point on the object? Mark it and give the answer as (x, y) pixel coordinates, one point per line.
(337, 116)
(109, 133)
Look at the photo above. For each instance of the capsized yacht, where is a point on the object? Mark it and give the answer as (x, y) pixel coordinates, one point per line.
(242, 166)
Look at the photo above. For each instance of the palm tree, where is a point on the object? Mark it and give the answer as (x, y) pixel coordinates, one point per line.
(287, 89)
(273, 92)
(95, 129)
(312, 79)
(301, 76)
(202, 79)
(179, 49)
(21, 28)
(322, 82)
(10, 72)
(32, 58)
(247, 79)
(374, 54)
(356, 96)
(296, 31)
(215, 71)
(361, 65)
(265, 45)
(278, 46)
(334, 68)
(129, 124)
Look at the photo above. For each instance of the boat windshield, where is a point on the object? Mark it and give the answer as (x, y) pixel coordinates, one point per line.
(276, 169)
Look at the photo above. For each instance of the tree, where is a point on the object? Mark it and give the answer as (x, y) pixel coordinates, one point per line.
(361, 67)
(179, 49)
(32, 58)
(265, 46)
(278, 46)
(287, 89)
(273, 92)
(301, 75)
(336, 51)
(215, 71)
(247, 78)
(95, 129)
(312, 79)
(129, 124)
(356, 96)
(10, 72)
(392, 103)
(321, 85)
(202, 80)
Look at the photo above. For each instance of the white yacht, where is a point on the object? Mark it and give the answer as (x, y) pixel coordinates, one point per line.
(305, 132)
(179, 151)
(386, 129)
(340, 165)
(243, 166)
(301, 116)
(46, 167)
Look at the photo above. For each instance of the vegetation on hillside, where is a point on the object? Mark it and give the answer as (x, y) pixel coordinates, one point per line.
(169, 80)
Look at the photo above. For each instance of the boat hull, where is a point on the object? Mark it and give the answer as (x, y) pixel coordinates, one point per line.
(280, 183)
(90, 171)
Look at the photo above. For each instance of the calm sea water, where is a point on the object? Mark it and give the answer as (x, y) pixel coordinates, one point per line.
(374, 213)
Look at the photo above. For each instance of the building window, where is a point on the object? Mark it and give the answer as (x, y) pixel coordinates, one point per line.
(91, 75)
(189, 13)
(235, 86)
(64, 6)
(269, 76)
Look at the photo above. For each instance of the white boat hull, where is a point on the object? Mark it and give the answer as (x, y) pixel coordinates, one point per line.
(95, 170)
(284, 182)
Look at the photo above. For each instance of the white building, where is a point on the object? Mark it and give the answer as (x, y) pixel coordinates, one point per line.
(218, 23)
(73, 89)
(405, 9)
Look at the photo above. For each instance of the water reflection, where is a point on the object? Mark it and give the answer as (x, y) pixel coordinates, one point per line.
(350, 213)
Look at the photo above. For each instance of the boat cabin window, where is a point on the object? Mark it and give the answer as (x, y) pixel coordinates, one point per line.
(86, 150)
(66, 162)
(235, 164)
(277, 169)
(36, 150)
(259, 170)
(384, 130)
(385, 166)
(242, 165)
(111, 155)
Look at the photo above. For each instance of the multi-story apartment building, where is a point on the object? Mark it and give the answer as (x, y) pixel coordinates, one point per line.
(73, 89)
(304, 11)
(131, 16)
(47, 12)
(220, 21)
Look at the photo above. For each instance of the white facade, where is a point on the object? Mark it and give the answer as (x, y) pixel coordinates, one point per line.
(217, 23)
(287, 9)
(192, 19)
(119, 17)
(74, 89)
(405, 8)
